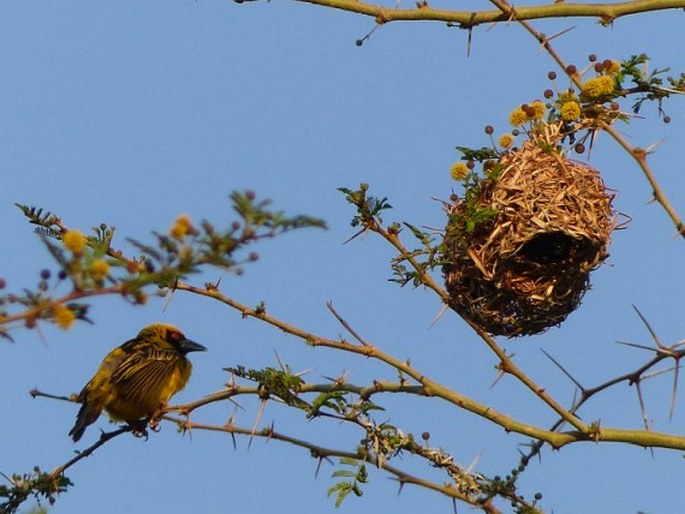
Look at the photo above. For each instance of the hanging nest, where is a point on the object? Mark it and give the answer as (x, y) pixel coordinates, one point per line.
(519, 248)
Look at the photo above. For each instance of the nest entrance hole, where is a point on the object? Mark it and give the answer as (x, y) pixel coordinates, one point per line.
(550, 248)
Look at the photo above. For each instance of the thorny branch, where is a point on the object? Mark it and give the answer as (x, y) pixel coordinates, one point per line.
(435, 389)
(425, 387)
(322, 453)
(605, 12)
(465, 488)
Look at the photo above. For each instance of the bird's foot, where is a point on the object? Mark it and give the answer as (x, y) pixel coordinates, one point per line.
(139, 428)
(154, 424)
(154, 420)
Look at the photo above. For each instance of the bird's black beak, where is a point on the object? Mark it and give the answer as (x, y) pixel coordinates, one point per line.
(186, 345)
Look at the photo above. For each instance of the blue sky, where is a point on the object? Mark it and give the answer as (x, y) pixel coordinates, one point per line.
(131, 113)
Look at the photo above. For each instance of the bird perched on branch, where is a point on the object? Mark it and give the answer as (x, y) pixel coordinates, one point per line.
(138, 378)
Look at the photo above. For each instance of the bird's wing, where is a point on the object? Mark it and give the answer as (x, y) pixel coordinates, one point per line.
(101, 379)
(97, 392)
(145, 373)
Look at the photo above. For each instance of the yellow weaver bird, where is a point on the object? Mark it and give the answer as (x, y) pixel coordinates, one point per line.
(138, 378)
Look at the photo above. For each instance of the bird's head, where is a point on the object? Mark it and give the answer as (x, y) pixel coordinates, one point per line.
(167, 336)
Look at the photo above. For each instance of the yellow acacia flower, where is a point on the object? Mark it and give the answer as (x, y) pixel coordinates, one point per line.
(182, 227)
(612, 67)
(459, 171)
(598, 86)
(566, 96)
(74, 241)
(63, 315)
(506, 140)
(99, 270)
(539, 109)
(570, 111)
(517, 117)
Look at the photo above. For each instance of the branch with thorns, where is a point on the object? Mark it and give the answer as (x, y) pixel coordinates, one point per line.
(414, 383)
(582, 432)
(605, 12)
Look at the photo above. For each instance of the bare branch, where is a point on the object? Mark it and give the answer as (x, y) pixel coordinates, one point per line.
(344, 323)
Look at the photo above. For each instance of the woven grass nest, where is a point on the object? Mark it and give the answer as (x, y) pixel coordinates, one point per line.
(527, 267)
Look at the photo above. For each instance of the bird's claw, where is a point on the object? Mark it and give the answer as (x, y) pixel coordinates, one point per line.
(154, 425)
(139, 428)
(153, 421)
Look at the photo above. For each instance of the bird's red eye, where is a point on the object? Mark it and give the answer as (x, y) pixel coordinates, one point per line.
(174, 336)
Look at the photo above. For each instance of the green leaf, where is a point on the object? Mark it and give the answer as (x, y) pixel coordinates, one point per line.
(344, 473)
(369, 208)
(478, 155)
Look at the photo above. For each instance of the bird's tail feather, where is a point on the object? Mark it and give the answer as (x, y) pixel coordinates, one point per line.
(86, 416)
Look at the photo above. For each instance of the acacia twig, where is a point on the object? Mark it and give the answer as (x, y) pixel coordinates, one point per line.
(325, 453)
(104, 437)
(605, 12)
